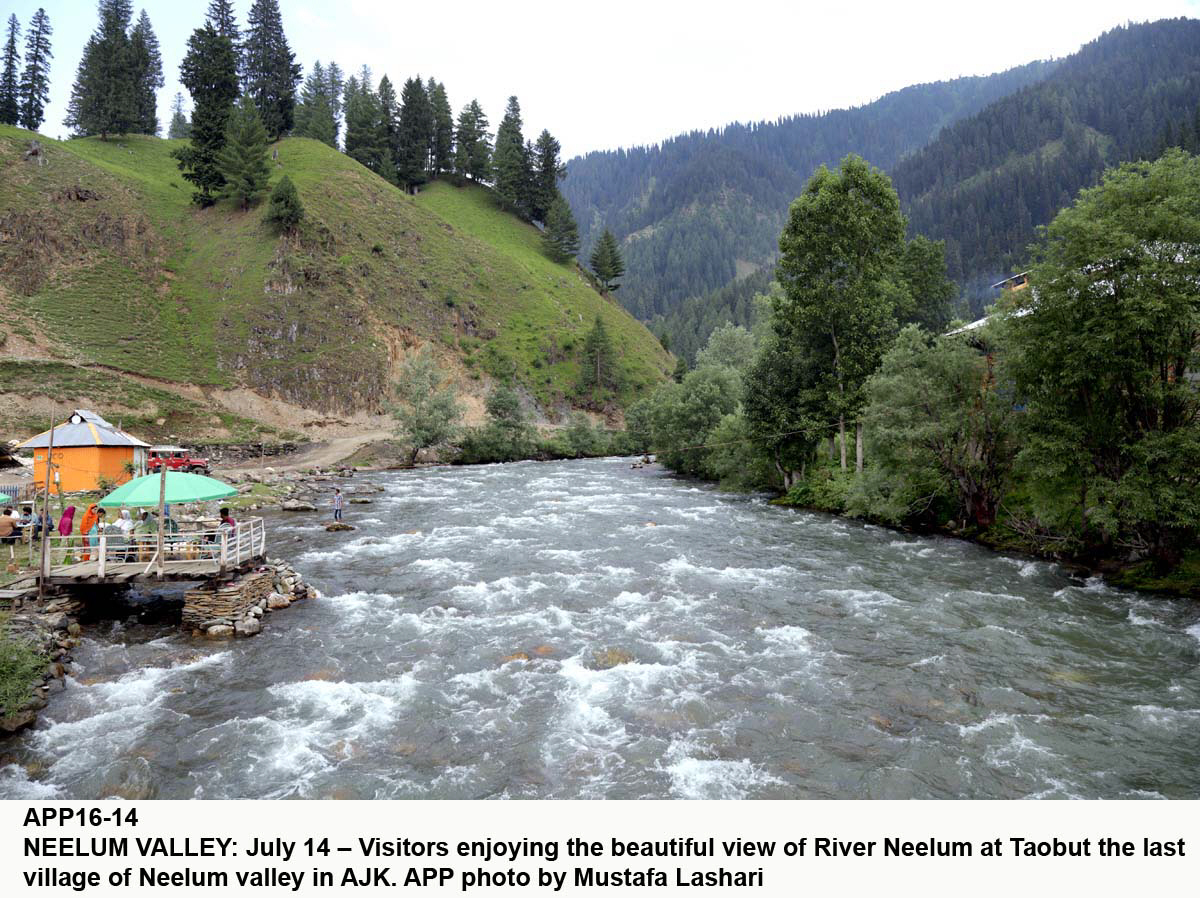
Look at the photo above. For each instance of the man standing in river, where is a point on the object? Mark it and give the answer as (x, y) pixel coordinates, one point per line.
(337, 504)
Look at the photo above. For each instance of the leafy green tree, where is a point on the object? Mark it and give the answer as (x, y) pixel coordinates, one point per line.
(507, 436)
(510, 161)
(10, 86)
(314, 113)
(429, 409)
(285, 211)
(581, 437)
(840, 255)
(606, 261)
(560, 237)
(209, 72)
(180, 127)
(548, 170)
(1105, 356)
(685, 415)
(940, 424)
(681, 370)
(35, 79)
(415, 134)
(243, 158)
(472, 144)
(145, 62)
(729, 346)
(441, 156)
(639, 425)
(598, 367)
(269, 69)
(928, 297)
(785, 404)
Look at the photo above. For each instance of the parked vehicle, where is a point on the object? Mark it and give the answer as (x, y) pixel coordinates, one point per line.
(176, 458)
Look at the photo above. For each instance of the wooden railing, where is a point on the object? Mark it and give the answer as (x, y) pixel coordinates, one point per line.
(224, 548)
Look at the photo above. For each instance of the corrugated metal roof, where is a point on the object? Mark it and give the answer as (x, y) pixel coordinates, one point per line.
(83, 428)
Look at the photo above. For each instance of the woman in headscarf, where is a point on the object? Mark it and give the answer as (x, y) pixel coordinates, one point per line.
(67, 521)
(85, 525)
(125, 525)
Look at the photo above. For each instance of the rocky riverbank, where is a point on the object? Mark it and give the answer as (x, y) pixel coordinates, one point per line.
(36, 646)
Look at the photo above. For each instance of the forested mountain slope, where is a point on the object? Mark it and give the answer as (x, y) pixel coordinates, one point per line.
(704, 208)
(987, 181)
(105, 261)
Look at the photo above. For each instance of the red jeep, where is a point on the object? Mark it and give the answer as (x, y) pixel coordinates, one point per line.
(176, 458)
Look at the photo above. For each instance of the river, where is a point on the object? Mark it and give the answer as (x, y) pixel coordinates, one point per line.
(467, 641)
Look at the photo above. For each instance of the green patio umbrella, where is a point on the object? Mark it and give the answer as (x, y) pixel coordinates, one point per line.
(142, 492)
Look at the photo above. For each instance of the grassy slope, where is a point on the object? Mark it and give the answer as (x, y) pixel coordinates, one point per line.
(141, 280)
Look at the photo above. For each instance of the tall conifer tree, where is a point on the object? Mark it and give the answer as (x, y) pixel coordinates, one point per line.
(560, 238)
(104, 96)
(389, 116)
(510, 161)
(10, 84)
(548, 171)
(366, 138)
(472, 144)
(607, 264)
(314, 112)
(269, 70)
(337, 83)
(35, 80)
(147, 74)
(223, 20)
(209, 72)
(442, 149)
(416, 128)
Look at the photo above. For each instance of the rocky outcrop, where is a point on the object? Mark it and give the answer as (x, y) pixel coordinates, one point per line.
(237, 608)
(51, 633)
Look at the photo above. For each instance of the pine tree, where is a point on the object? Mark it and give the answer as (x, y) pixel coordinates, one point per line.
(560, 238)
(35, 80)
(147, 74)
(223, 20)
(607, 264)
(314, 112)
(510, 161)
(547, 172)
(472, 144)
(597, 368)
(337, 83)
(180, 127)
(389, 116)
(366, 138)
(285, 211)
(415, 132)
(10, 86)
(209, 72)
(269, 70)
(442, 152)
(104, 96)
(243, 159)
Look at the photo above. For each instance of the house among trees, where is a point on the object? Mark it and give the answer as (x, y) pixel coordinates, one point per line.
(1013, 282)
(88, 453)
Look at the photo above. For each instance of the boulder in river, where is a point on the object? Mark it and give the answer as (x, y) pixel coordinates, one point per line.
(358, 500)
(249, 626)
(219, 631)
(276, 601)
(338, 526)
(297, 505)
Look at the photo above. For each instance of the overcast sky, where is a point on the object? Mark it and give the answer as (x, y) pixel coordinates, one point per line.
(605, 74)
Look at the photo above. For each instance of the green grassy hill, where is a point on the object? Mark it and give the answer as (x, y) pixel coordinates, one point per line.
(104, 261)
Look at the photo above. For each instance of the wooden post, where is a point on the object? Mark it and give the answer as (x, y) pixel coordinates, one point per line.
(43, 567)
(162, 506)
(103, 555)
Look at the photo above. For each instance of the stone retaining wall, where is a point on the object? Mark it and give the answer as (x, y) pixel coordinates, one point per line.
(228, 601)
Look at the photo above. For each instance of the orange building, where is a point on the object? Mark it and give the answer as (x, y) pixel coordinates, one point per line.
(88, 451)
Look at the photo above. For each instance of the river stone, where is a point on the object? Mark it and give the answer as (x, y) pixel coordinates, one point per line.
(18, 721)
(359, 501)
(297, 505)
(56, 621)
(220, 631)
(276, 600)
(249, 626)
(338, 526)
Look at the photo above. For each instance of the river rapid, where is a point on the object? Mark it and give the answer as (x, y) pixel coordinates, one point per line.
(468, 639)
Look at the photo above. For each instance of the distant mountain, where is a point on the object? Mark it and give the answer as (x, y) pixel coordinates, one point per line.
(705, 208)
(985, 183)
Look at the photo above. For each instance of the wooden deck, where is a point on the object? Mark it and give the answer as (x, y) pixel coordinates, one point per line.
(135, 571)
